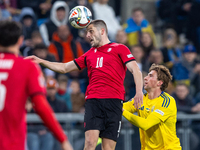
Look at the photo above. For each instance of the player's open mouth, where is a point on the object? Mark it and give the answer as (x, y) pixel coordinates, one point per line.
(91, 40)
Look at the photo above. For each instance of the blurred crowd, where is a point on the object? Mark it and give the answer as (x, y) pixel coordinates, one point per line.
(48, 35)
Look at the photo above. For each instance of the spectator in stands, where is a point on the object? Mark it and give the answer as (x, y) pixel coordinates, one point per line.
(38, 137)
(63, 46)
(9, 9)
(77, 97)
(85, 43)
(184, 99)
(58, 17)
(36, 38)
(185, 105)
(183, 70)
(28, 20)
(57, 105)
(171, 50)
(156, 57)
(193, 25)
(122, 37)
(137, 24)
(174, 13)
(40, 50)
(63, 93)
(105, 12)
(195, 83)
(78, 102)
(147, 44)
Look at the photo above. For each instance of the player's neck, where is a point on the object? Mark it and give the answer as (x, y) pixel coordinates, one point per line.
(106, 41)
(154, 93)
(11, 49)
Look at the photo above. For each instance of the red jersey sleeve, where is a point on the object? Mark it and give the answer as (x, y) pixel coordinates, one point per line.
(35, 80)
(125, 54)
(81, 61)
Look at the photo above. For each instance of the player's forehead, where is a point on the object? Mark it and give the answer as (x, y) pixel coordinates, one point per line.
(90, 27)
(152, 73)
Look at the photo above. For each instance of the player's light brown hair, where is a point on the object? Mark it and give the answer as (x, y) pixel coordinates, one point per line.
(163, 74)
(99, 24)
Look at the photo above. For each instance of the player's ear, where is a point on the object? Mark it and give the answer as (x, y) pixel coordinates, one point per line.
(102, 31)
(20, 40)
(160, 82)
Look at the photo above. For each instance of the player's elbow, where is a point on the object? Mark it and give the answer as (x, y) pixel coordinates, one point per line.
(145, 128)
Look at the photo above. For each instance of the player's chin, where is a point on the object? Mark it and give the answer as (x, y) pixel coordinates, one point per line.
(145, 87)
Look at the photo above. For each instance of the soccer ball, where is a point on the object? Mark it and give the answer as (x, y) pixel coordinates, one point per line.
(80, 17)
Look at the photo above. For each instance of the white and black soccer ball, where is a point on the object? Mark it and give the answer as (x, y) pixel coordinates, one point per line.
(80, 17)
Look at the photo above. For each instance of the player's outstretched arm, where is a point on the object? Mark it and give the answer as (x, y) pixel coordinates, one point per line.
(134, 69)
(143, 123)
(55, 66)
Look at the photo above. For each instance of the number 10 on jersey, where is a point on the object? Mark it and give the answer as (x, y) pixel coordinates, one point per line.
(99, 62)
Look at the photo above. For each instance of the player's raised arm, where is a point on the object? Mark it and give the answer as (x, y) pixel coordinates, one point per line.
(55, 66)
(134, 69)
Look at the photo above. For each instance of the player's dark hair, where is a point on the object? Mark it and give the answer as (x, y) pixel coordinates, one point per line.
(137, 9)
(99, 24)
(10, 31)
(163, 75)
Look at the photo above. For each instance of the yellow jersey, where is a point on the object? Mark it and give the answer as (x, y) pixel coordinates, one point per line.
(161, 136)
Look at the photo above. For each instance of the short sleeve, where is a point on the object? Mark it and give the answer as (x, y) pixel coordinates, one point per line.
(81, 61)
(125, 54)
(35, 83)
(165, 109)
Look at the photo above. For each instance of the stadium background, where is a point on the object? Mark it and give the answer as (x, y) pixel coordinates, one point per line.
(71, 118)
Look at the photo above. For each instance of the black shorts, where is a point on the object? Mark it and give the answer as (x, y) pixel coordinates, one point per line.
(104, 115)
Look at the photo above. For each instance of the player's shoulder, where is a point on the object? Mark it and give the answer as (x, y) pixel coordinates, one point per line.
(92, 49)
(166, 100)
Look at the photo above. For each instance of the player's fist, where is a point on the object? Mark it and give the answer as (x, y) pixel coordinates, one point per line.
(34, 58)
(66, 146)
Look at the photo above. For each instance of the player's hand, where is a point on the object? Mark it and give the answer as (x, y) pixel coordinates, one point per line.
(138, 100)
(34, 58)
(66, 146)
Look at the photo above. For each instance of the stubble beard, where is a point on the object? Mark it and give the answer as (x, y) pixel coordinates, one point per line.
(97, 41)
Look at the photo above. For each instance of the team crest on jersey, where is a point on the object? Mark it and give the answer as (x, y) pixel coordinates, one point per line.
(109, 49)
(147, 109)
(95, 50)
